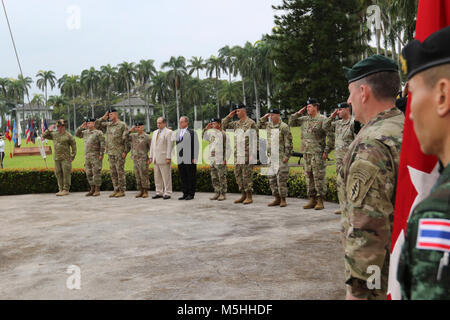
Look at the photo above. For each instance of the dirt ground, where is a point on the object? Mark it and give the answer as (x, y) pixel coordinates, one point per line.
(167, 249)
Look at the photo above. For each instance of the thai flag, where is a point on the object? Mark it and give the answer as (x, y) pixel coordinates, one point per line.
(434, 234)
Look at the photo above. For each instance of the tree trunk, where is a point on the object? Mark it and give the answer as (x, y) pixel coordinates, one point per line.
(178, 104)
(243, 91)
(195, 113)
(378, 35)
(92, 105)
(269, 102)
(74, 116)
(256, 98)
(217, 95)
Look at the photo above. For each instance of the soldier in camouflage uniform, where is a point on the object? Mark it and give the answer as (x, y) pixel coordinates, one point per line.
(278, 180)
(63, 142)
(116, 148)
(342, 134)
(424, 270)
(94, 150)
(315, 152)
(369, 176)
(245, 137)
(218, 165)
(140, 147)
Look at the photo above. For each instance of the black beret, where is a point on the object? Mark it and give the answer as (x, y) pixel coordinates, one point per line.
(239, 106)
(112, 110)
(343, 105)
(374, 64)
(434, 51)
(275, 111)
(312, 101)
(90, 119)
(138, 123)
(215, 120)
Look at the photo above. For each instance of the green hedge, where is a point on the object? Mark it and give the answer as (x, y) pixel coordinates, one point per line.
(26, 181)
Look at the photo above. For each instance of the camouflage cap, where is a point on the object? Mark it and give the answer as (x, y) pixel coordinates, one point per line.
(61, 123)
(434, 51)
(374, 64)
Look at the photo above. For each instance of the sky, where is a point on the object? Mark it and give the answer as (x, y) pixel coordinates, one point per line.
(70, 36)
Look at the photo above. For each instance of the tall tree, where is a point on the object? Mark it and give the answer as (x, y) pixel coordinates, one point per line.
(127, 75)
(307, 31)
(177, 70)
(108, 78)
(196, 65)
(70, 85)
(215, 65)
(90, 80)
(45, 79)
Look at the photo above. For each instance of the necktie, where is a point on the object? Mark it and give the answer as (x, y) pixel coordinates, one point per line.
(157, 137)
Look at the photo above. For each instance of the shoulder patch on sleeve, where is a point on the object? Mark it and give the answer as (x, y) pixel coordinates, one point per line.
(434, 234)
(361, 177)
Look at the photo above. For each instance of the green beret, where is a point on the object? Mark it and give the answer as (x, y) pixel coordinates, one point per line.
(434, 51)
(374, 64)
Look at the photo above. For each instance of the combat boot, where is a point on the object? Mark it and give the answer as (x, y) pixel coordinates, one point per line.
(96, 192)
(283, 203)
(91, 192)
(140, 194)
(242, 198)
(120, 194)
(319, 205)
(222, 197)
(337, 212)
(275, 202)
(64, 193)
(215, 196)
(145, 195)
(113, 195)
(58, 194)
(311, 204)
(249, 199)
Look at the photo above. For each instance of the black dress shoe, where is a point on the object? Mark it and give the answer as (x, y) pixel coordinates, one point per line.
(189, 198)
(157, 197)
(166, 197)
(182, 198)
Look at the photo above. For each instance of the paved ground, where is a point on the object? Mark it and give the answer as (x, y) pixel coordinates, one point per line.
(156, 249)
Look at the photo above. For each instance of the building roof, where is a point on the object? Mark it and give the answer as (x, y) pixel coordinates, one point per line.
(134, 102)
(34, 107)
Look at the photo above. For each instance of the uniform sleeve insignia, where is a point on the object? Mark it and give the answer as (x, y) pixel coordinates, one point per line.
(361, 176)
(404, 65)
(434, 234)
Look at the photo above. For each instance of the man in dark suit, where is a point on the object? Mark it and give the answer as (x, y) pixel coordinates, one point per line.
(187, 145)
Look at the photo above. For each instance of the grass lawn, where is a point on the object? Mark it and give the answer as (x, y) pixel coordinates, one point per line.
(38, 162)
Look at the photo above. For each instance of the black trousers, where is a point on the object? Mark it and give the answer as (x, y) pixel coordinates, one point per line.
(188, 178)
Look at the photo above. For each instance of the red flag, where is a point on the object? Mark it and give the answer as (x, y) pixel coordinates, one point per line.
(417, 172)
(8, 134)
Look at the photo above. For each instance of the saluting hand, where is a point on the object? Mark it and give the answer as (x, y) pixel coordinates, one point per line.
(124, 155)
(301, 111)
(232, 113)
(267, 115)
(334, 114)
(51, 127)
(325, 156)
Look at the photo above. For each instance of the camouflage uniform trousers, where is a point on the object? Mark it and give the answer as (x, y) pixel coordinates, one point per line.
(339, 164)
(315, 170)
(278, 182)
(141, 173)
(219, 178)
(63, 172)
(244, 176)
(93, 168)
(117, 171)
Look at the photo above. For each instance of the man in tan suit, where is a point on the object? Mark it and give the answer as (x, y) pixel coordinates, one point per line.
(160, 155)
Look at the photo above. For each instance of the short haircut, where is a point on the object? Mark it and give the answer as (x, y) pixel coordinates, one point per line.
(385, 85)
(162, 119)
(185, 118)
(433, 75)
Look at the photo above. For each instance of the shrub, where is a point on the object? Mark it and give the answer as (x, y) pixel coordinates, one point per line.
(30, 181)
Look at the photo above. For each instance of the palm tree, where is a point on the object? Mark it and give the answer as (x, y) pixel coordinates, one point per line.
(196, 64)
(230, 92)
(242, 65)
(45, 78)
(145, 70)
(215, 65)
(90, 80)
(127, 75)
(108, 77)
(195, 93)
(160, 90)
(70, 84)
(267, 66)
(177, 71)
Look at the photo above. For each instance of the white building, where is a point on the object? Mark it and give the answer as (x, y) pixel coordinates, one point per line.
(128, 110)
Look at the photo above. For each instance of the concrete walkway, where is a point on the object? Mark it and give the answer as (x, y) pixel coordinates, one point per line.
(168, 249)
